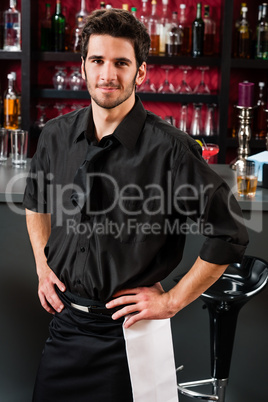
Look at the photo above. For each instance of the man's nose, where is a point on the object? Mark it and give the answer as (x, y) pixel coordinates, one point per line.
(108, 72)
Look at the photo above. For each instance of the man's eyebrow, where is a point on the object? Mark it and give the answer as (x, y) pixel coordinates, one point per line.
(97, 57)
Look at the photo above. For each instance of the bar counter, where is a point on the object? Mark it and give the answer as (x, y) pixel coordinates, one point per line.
(24, 324)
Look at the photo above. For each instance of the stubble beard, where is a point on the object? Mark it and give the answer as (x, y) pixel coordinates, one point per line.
(107, 103)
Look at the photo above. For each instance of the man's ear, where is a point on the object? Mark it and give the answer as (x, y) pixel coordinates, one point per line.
(83, 68)
(141, 74)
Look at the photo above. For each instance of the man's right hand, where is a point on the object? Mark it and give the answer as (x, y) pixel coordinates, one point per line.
(46, 290)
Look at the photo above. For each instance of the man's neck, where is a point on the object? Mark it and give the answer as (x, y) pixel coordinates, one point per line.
(106, 120)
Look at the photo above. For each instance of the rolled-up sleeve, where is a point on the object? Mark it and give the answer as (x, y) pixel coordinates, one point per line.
(36, 191)
(206, 198)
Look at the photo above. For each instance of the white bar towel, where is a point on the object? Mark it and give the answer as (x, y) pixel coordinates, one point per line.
(150, 355)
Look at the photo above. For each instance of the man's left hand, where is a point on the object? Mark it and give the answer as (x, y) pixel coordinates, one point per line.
(142, 303)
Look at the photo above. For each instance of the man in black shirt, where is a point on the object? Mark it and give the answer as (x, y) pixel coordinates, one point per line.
(107, 200)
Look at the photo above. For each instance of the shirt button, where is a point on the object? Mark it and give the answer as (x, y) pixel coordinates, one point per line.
(82, 249)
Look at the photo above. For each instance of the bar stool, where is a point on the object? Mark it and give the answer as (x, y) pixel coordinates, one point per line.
(224, 300)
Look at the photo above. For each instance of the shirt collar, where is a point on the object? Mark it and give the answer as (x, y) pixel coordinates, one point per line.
(127, 132)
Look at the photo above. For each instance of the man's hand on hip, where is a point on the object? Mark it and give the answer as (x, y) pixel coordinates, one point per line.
(143, 303)
(47, 293)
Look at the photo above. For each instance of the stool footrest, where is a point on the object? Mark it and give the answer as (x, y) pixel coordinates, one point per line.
(217, 384)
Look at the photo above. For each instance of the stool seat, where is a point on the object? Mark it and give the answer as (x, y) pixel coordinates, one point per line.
(239, 282)
(224, 299)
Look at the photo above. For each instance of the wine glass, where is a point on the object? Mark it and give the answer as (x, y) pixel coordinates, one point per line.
(60, 78)
(75, 79)
(147, 86)
(196, 125)
(40, 122)
(209, 150)
(59, 107)
(202, 88)
(184, 88)
(166, 87)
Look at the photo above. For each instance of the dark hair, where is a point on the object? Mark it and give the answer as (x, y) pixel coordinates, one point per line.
(119, 24)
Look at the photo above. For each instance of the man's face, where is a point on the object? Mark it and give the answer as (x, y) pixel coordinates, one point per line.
(110, 70)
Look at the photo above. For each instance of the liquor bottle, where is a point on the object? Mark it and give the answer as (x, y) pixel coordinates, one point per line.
(255, 34)
(125, 7)
(80, 19)
(209, 33)
(67, 32)
(134, 11)
(260, 128)
(164, 26)
(262, 38)
(102, 5)
(58, 29)
(174, 37)
(186, 28)
(1, 109)
(198, 33)
(144, 14)
(243, 37)
(46, 30)
(154, 31)
(11, 106)
(12, 27)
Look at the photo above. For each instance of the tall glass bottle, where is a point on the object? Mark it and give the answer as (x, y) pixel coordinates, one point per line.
(174, 37)
(209, 33)
(11, 106)
(198, 33)
(154, 31)
(262, 34)
(164, 26)
(243, 37)
(186, 29)
(58, 29)
(144, 14)
(260, 128)
(46, 30)
(80, 19)
(12, 27)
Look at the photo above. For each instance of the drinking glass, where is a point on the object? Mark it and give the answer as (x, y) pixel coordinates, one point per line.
(196, 125)
(209, 150)
(247, 179)
(19, 146)
(183, 118)
(60, 78)
(209, 128)
(166, 87)
(184, 88)
(202, 88)
(75, 79)
(3, 144)
(147, 85)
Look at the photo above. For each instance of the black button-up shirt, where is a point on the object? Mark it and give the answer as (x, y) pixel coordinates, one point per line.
(120, 207)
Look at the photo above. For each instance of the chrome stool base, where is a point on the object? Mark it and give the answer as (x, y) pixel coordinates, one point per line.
(219, 388)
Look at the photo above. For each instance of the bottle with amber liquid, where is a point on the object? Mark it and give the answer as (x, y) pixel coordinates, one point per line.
(198, 27)
(58, 29)
(260, 128)
(11, 105)
(154, 30)
(209, 33)
(243, 36)
(186, 29)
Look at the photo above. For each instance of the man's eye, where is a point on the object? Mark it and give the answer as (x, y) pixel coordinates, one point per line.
(97, 61)
(121, 63)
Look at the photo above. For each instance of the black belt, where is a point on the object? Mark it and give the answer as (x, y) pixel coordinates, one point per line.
(85, 305)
